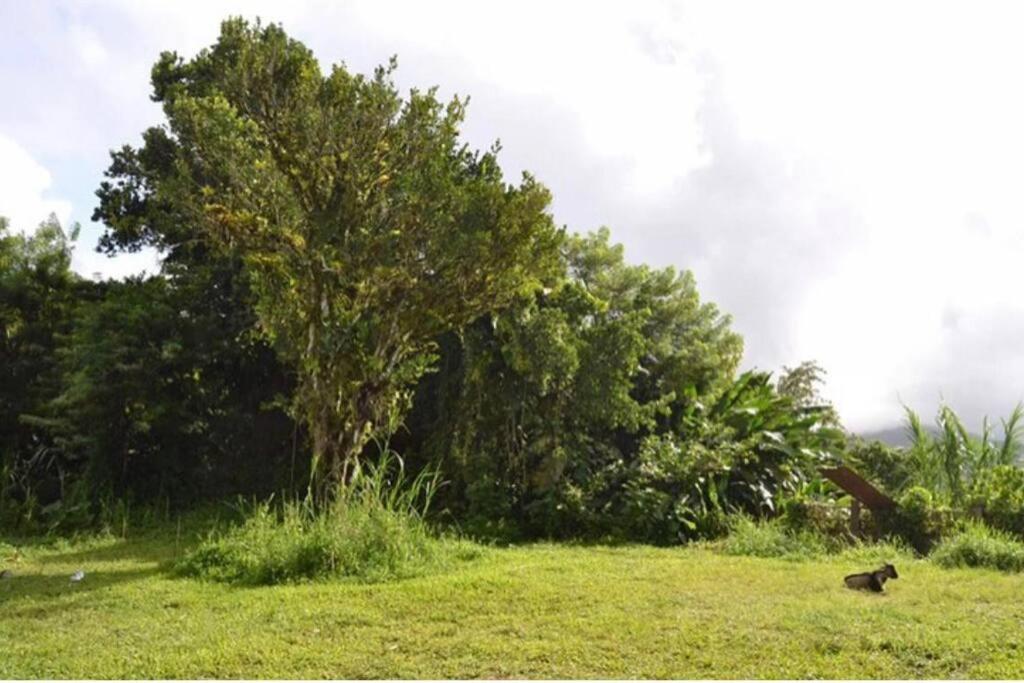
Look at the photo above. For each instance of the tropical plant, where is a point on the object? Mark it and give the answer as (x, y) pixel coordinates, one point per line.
(947, 462)
(536, 411)
(742, 453)
(997, 496)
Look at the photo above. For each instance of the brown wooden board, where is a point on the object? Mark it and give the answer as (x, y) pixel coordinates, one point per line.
(858, 487)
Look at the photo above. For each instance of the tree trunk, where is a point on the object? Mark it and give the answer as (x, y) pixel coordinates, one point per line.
(350, 448)
(337, 454)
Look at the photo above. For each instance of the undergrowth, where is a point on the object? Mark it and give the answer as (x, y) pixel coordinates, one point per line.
(772, 538)
(980, 546)
(373, 531)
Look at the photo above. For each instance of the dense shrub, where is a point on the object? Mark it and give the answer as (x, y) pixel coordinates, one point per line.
(291, 542)
(997, 495)
(918, 519)
(827, 517)
(771, 538)
(980, 546)
(674, 491)
(373, 531)
(38, 293)
(885, 466)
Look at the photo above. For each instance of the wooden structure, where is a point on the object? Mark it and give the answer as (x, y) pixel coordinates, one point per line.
(861, 490)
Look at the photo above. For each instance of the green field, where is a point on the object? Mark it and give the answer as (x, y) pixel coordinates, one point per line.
(532, 611)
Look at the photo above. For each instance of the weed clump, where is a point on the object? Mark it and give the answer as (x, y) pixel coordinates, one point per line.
(373, 531)
(877, 552)
(980, 546)
(770, 538)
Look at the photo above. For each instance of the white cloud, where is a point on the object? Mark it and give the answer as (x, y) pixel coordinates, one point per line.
(914, 122)
(24, 185)
(87, 46)
(842, 178)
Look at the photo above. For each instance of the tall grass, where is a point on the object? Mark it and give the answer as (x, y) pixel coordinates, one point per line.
(981, 546)
(771, 538)
(373, 531)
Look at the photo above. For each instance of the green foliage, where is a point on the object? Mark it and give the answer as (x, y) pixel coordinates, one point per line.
(526, 612)
(37, 298)
(146, 389)
(771, 538)
(537, 412)
(919, 519)
(367, 228)
(801, 385)
(949, 462)
(744, 452)
(367, 232)
(374, 531)
(777, 445)
(156, 404)
(997, 495)
(980, 546)
(675, 491)
(828, 517)
(352, 229)
(887, 467)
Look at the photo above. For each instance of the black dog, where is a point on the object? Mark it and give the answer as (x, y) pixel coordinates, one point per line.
(872, 580)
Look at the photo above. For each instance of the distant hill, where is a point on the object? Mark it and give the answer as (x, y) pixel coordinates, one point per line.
(892, 436)
(897, 435)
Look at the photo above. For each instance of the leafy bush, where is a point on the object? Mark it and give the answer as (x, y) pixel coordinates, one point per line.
(373, 531)
(744, 453)
(980, 546)
(675, 491)
(771, 539)
(886, 466)
(918, 519)
(827, 517)
(997, 495)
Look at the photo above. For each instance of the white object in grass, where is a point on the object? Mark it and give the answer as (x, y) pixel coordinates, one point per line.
(77, 576)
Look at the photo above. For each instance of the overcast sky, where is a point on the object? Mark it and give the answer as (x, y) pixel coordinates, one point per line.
(843, 179)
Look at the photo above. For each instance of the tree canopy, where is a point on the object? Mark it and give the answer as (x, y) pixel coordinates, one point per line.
(338, 265)
(365, 226)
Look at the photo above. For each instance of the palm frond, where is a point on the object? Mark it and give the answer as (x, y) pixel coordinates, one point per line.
(1013, 436)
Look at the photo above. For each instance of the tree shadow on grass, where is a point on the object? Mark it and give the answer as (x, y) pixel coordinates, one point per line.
(40, 579)
(37, 594)
(162, 550)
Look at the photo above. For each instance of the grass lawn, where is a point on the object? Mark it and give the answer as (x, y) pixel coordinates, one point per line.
(534, 611)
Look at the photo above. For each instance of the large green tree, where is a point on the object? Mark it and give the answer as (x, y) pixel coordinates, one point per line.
(365, 225)
(537, 410)
(37, 298)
